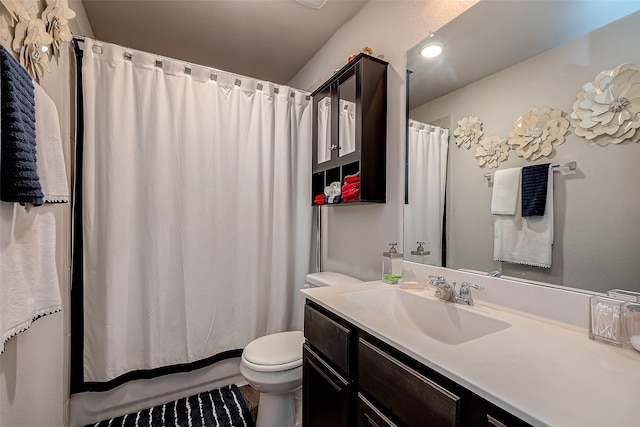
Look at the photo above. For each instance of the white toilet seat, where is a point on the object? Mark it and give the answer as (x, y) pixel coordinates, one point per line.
(274, 352)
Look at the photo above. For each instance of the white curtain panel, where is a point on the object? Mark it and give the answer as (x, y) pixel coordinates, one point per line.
(197, 222)
(427, 149)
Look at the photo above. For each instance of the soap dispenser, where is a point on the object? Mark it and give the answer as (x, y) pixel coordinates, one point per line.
(421, 252)
(391, 265)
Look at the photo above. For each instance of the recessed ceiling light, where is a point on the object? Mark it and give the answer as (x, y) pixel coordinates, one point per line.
(432, 50)
(316, 4)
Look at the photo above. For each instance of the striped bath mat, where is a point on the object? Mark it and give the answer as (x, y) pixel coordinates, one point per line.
(223, 407)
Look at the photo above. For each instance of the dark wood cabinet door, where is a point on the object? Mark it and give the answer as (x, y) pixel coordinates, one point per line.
(325, 397)
(370, 416)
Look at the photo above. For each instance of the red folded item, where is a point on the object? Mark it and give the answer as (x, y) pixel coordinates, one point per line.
(350, 193)
(351, 198)
(352, 178)
(349, 186)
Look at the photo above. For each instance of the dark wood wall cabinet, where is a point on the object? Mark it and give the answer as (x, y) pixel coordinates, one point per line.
(350, 132)
(351, 378)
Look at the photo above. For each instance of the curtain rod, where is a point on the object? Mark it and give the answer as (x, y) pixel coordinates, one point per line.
(569, 165)
(215, 70)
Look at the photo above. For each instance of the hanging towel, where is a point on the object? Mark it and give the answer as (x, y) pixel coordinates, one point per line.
(19, 181)
(526, 240)
(29, 283)
(50, 157)
(506, 187)
(534, 189)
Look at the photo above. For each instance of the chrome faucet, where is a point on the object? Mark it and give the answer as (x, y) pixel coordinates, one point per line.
(447, 291)
(465, 292)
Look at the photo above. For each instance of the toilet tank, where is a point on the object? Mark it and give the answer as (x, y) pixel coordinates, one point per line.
(328, 278)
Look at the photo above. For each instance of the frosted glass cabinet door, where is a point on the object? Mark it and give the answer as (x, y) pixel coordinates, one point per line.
(324, 129)
(347, 116)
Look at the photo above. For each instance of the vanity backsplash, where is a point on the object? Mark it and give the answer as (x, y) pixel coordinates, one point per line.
(552, 303)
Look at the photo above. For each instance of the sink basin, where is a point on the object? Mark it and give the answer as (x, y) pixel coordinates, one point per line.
(442, 321)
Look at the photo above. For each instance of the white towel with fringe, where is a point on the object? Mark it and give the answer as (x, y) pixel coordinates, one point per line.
(527, 241)
(506, 188)
(29, 284)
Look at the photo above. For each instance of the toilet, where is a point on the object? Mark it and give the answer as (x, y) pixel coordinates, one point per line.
(273, 364)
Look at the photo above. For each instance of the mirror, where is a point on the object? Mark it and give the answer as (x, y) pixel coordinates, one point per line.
(347, 120)
(324, 129)
(501, 59)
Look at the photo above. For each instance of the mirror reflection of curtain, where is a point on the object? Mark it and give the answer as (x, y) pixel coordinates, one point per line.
(427, 150)
(324, 130)
(347, 127)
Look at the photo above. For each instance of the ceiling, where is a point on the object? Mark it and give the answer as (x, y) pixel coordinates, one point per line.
(269, 40)
(493, 35)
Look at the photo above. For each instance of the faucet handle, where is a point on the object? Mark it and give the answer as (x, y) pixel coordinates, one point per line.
(465, 291)
(434, 280)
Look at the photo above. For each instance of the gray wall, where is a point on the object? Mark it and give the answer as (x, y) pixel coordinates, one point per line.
(354, 237)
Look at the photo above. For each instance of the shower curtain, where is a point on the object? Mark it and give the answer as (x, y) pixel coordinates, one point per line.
(424, 213)
(196, 226)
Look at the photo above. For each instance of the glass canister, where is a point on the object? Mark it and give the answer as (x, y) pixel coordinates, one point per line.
(633, 324)
(391, 265)
(609, 320)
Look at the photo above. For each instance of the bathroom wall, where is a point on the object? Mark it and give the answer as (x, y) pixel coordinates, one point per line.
(34, 388)
(354, 237)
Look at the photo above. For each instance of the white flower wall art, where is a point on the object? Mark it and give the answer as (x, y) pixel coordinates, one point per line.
(492, 151)
(57, 16)
(36, 39)
(31, 42)
(468, 132)
(606, 111)
(536, 133)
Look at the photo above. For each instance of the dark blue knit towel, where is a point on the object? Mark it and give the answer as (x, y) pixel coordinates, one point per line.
(534, 189)
(19, 180)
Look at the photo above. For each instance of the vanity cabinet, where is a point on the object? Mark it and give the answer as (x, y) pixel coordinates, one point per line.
(327, 389)
(349, 128)
(373, 384)
(325, 393)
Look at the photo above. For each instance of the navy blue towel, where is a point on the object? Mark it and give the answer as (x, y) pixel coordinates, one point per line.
(534, 189)
(19, 181)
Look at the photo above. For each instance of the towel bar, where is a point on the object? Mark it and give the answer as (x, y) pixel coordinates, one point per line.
(571, 166)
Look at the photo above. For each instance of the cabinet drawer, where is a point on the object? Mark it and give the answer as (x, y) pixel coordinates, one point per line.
(408, 395)
(497, 417)
(329, 337)
(370, 416)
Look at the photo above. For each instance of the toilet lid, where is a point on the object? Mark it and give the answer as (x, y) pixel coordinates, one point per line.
(275, 352)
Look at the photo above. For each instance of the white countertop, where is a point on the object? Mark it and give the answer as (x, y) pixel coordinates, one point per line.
(545, 372)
